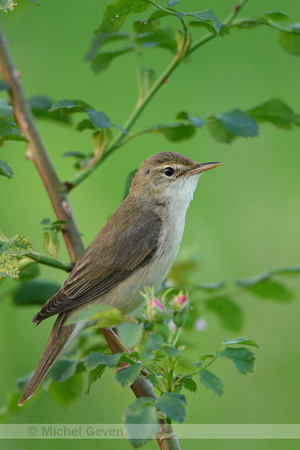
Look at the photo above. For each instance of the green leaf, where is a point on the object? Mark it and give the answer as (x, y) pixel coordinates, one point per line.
(35, 292)
(172, 352)
(102, 40)
(189, 383)
(226, 127)
(172, 2)
(87, 312)
(29, 269)
(9, 266)
(125, 377)
(95, 359)
(206, 16)
(99, 119)
(111, 318)
(101, 61)
(5, 170)
(243, 341)
(18, 245)
(65, 393)
(94, 375)
(195, 121)
(8, 126)
(162, 38)
(249, 24)
(242, 358)
(174, 133)
(211, 382)
(51, 242)
(115, 15)
(141, 421)
(277, 16)
(228, 312)
(4, 86)
(40, 105)
(130, 333)
(144, 26)
(265, 288)
(276, 112)
(290, 43)
(7, 5)
(173, 405)
(70, 106)
(63, 369)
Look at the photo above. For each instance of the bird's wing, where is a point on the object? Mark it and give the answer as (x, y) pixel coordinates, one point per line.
(123, 245)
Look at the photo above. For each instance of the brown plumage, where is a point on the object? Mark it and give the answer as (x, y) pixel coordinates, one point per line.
(135, 248)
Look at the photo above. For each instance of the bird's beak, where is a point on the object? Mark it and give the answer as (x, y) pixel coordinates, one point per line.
(201, 168)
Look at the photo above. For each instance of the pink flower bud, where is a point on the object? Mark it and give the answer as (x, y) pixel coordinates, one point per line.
(156, 303)
(179, 302)
(155, 311)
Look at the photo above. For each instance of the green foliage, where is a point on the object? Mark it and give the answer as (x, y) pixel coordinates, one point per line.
(126, 376)
(34, 292)
(242, 358)
(9, 130)
(206, 17)
(211, 381)
(173, 405)
(5, 170)
(227, 311)
(10, 252)
(7, 5)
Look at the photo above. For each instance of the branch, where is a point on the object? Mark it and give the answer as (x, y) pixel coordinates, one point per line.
(57, 192)
(36, 151)
(48, 261)
(166, 437)
(183, 52)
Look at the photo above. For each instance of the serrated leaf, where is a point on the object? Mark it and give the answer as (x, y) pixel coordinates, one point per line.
(18, 245)
(242, 358)
(63, 369)
(141, 425)
(65, 393)
(174, 133)
(206, 16)
(35, 292)
(226, 127)
(7, 5)
(229, 313)
(95, 359)
(9, 266)
(126, 377)
(40, 105)
(243, 341)
(211, 381)
(115, 15)
(70, 106)
(94, 375)
(189, 384)
(101, 61)
(5, 170)
(173, 405)
(290, 43)
(276, 112)
(99, 119)
(130, 333)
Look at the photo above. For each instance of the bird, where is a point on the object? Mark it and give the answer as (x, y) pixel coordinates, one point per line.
(136, 248)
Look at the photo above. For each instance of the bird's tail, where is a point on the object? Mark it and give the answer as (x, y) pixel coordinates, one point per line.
(60, 338)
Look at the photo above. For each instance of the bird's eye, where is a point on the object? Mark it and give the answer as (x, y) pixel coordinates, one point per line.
(169, 171)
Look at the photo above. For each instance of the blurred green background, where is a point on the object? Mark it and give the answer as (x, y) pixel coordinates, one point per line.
(244, 219)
